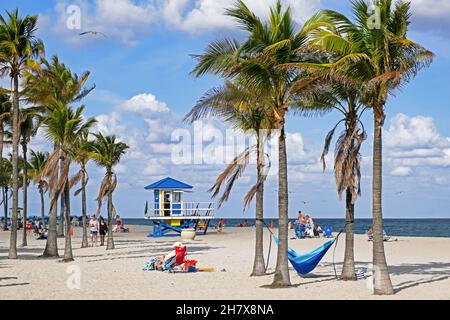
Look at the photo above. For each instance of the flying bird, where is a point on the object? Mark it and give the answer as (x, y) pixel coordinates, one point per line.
(93, 33)
(400, 192)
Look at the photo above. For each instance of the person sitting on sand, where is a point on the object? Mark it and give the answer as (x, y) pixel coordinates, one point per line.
(93, 227)
(246, 224)
(42, 234)
(118, 225)
(219, 227)
(309, 226)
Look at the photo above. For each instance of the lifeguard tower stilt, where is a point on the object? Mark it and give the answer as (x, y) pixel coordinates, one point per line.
(170, 214)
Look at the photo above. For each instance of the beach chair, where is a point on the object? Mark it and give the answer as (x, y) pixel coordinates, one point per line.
(328, 232)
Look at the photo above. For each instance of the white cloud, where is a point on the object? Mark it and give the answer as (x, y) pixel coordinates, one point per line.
(121, 20)
(416, 142)
(431, 15)
(401, 171)
(406, 132)
(126, 20)
(204, 15)
(145, 104)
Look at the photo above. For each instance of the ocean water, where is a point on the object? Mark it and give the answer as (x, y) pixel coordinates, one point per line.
(393, 227)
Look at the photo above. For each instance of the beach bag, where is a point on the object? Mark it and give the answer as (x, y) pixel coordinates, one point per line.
(360, 275)
(190, 266)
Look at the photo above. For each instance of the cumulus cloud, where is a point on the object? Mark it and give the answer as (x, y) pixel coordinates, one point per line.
(401, 171)
(414, 142)
(126, 20)
(121, 20)
(203, 15)
(145, 104)
(431, 15)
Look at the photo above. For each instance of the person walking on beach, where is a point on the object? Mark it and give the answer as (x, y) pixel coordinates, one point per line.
(93, 227)
(103, 231)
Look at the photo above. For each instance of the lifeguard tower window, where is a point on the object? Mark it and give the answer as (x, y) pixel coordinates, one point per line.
(167, 203)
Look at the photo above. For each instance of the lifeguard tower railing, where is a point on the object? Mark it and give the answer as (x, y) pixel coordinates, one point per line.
(184, 210)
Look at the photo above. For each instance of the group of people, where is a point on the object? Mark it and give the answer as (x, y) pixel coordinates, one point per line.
(304, 227)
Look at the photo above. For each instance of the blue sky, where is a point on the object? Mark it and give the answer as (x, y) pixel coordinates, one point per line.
(141, 70)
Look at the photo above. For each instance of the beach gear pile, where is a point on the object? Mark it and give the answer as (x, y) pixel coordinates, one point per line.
(173, 261)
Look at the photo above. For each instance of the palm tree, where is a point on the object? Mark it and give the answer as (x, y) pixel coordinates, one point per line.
(382, 59)
(28, 129)
(107, 152)
(18, 48)
(63, 127)
(237, 106)
(347, 160)
(5, 184)
(47, 85)
(263, 62)
(37, 163)
(82, 157)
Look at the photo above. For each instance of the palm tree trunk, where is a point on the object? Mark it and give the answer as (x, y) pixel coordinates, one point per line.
(2, 136)
(84, 241)
(382, 281)
(110, 242)
(5, 206)
(68, 255)
(281, 278)
(51, 247)
(15, 174)
(41, 192)
(25, 194)
(258, 265)
(63, 209)
(348, 271)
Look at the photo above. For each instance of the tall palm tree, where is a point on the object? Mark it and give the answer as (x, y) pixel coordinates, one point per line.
(18, 48)
(28, 129)
(107, 152)
(237, 106)
(47, 85)
(347, 161)
(82, 157)
(63, 127)
(262, 62)
(37, 164)
(383, 59)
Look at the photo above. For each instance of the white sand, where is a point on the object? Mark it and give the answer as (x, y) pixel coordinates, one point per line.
(420, 269)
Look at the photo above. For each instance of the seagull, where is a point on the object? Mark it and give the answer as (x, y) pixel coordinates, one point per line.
(94, 33)
(400, 192)
(304, 202)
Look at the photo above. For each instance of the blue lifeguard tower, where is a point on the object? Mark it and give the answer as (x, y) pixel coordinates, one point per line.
(170, 214)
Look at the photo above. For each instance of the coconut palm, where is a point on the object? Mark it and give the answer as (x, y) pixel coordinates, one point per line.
(107, 153)
(37, 164)
(47, 85)
(28, 129)
(82, 157)
(347, 161)
(246, 112)
(262, 62)
(63, 127)
(18, 48)
(382, 59)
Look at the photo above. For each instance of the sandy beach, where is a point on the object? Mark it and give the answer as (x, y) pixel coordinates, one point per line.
(420, 269)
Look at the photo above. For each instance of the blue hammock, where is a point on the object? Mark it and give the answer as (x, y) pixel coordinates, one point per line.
(305, 263)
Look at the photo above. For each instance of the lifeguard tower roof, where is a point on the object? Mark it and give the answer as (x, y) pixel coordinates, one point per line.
(168, 184)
